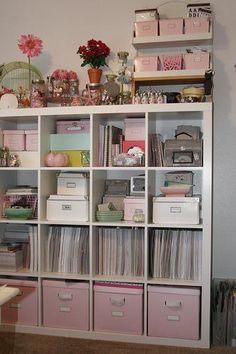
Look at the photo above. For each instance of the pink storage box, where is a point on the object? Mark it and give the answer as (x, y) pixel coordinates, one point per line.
(196, 25)
(118, 307)
(134, 128)
(173, 26)
(148, 63)
(130, 204)
(22, 309)
(173, 312)
(73, 126)
(146, 28)
(31, 140)
(66, 304)
(198, 60)
(14, 139)
(171, 61)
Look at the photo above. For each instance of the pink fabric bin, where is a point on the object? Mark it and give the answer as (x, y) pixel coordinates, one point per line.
(171, 61)
(22, 309)
(134, 128)
(173, 312)
(173, 26)
(196, 25)
(73, 126)
(199, 60)
(14, 139)
(130, 204)
(146, 28)
(118, 307)
(31, 140)
(148, 63)
(66, 304)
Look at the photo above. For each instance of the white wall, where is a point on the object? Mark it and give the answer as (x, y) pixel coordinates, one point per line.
(64, 25)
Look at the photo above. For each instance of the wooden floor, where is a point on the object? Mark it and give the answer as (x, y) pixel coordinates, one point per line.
(11, 343)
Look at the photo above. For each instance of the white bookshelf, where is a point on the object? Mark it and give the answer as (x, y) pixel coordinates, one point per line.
(162, 117)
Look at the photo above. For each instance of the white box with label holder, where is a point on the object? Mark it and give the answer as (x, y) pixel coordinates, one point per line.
(72, 184)
(69, 208)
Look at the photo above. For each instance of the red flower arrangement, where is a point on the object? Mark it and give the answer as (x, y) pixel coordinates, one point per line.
(94, 53)
(61, 74)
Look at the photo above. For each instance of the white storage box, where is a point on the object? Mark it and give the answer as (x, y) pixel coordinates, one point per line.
(72, 183)
(173, 312)
(176, 210)
(68, 208)
(146, 15)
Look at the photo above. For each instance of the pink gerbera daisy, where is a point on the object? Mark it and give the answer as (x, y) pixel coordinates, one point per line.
(30, 45)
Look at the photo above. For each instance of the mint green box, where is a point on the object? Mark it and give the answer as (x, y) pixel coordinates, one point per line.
(79, 141)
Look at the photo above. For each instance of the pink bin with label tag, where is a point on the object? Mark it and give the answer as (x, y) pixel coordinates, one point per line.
(31, 140)
(198, 60)
(172, 26)
(118, 307)
(146, 28)
(14, 139)
(22, 309)
(66, 304)
(173, 312)
(196, 25)
(73, 126)
(147, 63)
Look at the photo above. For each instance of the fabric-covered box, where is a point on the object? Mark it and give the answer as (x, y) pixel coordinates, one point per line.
(118, 307)
(197, 60)
(147, 63)
(172, 26)
(14, 139)
(183, 152)
(22, 309)
(146, 28)
(173, 312)
(171, 61)
(66, 304)
(134, 128)
(73, 126)
(31, 140)
(196, 25)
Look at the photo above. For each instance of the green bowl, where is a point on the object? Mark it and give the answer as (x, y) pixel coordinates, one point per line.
(18, 213)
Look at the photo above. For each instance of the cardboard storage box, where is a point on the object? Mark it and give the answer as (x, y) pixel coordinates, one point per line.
(134, 128)
(66, 304)
(147, 63)
(73, 126)
(197, 60)
(14, 139)
(118, 307)
(172, 26)
(183, 152)
(68, 208)
(132, 203)
(22, 309)
(31, 140)
(176, 210)
(72, 183)
(146, 28)
(173, 312)
(196, 25)
(11, 261)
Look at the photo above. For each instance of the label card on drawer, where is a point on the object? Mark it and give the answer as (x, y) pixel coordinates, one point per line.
(117, 314)
(173, 318)
(65, 309)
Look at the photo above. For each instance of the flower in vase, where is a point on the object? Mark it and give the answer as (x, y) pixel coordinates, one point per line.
(94, 53)
(30, 45)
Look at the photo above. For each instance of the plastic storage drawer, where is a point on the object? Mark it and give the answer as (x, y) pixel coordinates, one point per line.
(173, 312)
(66, 304)
(118, 307)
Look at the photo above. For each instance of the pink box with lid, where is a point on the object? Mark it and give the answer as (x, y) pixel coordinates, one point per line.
(147, 63)
(31, 140)
(171, 26)
(196, 25)
(118, 307)
(73, 126)
(14, 139)
(66, 304)
(173, 312)
(132, 203)
(134, 128)
(22, 309)
(146, 28)
(198, 60)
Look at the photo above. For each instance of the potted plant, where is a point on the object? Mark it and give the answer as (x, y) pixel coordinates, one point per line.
(94, 54)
